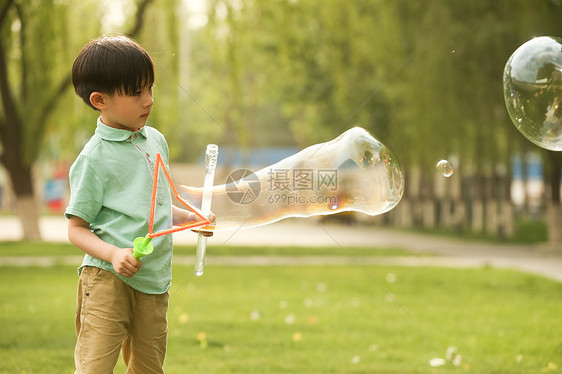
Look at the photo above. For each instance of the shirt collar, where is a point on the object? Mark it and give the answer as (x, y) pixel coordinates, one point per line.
(117, 135)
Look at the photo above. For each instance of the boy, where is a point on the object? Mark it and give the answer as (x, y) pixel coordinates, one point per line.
(122, 302)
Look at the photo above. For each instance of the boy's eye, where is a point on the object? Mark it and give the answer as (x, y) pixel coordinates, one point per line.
(139, 92)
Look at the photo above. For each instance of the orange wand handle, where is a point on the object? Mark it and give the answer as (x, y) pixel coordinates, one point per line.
(142, 245)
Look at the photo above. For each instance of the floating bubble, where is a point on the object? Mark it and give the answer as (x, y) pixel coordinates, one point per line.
(445, 168)
(354, 172)
(532, 83)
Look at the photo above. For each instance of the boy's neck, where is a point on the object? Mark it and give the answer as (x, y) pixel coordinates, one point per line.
(118, 127)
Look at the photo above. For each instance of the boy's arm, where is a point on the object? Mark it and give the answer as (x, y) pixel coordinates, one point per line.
(180, 216)
(122, 259)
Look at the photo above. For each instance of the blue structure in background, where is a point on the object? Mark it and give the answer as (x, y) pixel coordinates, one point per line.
(534, 169)
(256, 158)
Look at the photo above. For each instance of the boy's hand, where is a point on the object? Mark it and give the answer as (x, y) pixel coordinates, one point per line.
(124, 263)
(122, 259)
(211, 217)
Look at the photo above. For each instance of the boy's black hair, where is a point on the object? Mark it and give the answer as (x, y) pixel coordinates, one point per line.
(111, 64)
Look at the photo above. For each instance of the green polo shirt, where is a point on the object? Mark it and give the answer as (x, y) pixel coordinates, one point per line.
(111, 188)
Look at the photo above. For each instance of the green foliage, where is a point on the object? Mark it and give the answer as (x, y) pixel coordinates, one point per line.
(38, 61)
(425, 78)
(308, 319)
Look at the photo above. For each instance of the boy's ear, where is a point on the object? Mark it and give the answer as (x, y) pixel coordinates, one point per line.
(97, 99)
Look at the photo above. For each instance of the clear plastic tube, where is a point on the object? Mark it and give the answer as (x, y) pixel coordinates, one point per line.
(211, 156)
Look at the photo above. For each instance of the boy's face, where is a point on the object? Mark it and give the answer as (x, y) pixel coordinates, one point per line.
(127, 112)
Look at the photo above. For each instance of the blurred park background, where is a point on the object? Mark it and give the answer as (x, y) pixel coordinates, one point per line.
(264, 79)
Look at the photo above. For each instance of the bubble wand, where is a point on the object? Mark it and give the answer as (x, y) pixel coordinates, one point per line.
(211, 156)
(142, 245)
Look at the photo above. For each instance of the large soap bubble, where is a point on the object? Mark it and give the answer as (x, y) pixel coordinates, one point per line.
(354, 172)
(532, 83)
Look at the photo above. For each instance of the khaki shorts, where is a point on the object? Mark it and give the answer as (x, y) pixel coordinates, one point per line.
(111, 316)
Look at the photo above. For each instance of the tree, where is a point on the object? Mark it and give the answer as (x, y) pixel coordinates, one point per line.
(32, 51)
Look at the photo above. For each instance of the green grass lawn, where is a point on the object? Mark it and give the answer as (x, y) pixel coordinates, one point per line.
(324, 319)
(25, 249)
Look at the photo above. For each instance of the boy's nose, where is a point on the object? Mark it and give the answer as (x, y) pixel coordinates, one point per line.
(149, 100)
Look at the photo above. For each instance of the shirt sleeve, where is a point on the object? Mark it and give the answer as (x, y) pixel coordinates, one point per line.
(86, 190)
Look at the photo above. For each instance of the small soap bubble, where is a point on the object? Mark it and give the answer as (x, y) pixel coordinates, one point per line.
(445, 168)
(532, 84)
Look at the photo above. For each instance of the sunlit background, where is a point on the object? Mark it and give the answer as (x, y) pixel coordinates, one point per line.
(265, 79)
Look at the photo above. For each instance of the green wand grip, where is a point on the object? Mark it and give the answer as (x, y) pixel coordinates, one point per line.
(142, 247)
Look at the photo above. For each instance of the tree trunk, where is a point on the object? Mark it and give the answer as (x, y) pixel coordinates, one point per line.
(11, 135)
(554, 208)
(27, 208)
(28, 214)
(554, 223)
